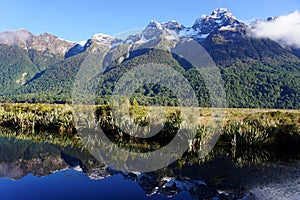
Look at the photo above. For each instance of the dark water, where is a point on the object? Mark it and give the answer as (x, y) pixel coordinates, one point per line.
(30, 170)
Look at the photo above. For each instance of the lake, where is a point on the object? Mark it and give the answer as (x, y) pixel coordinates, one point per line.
(31, 170)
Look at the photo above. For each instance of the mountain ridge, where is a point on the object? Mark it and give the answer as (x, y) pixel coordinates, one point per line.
(229, 42)
(221, 19)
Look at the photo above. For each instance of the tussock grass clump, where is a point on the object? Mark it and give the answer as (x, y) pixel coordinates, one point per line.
(39, 122)
(263, 129)
(243, 127)
(37, 117)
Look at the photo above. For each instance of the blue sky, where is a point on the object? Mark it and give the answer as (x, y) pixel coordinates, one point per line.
(78, 20)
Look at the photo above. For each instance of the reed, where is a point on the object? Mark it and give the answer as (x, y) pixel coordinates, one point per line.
(37, 118)
(243, 127)
(263, 129)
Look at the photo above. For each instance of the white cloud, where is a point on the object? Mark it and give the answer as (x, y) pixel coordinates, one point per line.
(284, 29)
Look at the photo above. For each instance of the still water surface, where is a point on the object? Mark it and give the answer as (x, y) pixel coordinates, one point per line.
(30, 170)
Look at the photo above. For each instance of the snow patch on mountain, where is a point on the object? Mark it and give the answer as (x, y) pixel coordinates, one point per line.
(155, 24)
(141, 40)
(221, 13)
(81, 43)
(221, 19)
(103, 39)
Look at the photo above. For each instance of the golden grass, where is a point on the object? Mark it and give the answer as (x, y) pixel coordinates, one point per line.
(36, 119)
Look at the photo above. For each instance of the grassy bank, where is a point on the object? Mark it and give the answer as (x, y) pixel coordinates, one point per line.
(241, 127)
(263, 129)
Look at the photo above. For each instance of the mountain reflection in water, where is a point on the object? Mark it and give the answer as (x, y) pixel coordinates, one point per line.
(39, 170)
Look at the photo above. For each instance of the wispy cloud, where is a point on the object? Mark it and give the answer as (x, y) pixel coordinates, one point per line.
(284, 29)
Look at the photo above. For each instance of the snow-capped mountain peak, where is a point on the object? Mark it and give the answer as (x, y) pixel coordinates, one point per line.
(102, 38)
(206, 24)
(173, 25)
(220, 13)
(155, 24)
(100, 41)
(219, 17)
